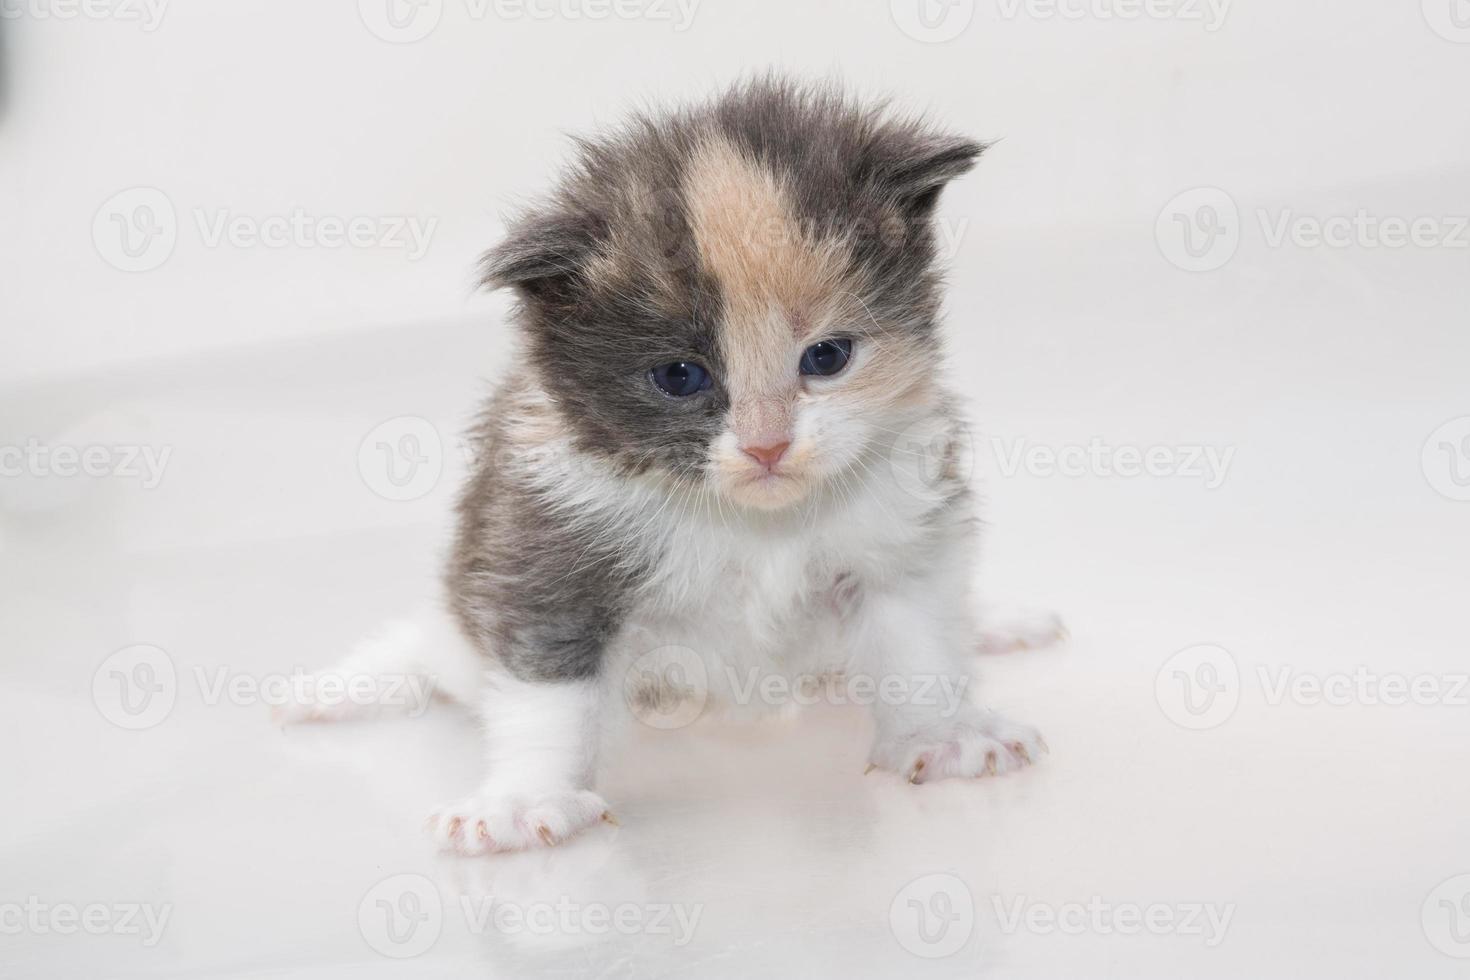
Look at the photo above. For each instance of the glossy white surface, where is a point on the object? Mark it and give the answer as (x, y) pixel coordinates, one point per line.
(1327, 835)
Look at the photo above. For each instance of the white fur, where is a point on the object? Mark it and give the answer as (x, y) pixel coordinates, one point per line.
(864, 576)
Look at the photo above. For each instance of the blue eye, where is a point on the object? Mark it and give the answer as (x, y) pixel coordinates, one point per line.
(826, 357)
(681, 378)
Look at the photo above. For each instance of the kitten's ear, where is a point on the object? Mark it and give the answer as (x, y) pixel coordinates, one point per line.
(914, 166)
(542, 256)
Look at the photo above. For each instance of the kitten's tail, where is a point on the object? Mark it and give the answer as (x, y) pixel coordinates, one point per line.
(397, 669)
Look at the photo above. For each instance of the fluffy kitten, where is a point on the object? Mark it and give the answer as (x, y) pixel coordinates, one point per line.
(723, 455)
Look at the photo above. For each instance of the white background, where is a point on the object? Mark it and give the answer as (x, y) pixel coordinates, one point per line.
(1335, 376)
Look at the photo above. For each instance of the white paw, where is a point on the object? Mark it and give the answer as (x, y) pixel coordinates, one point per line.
(1022, 631)
(981, 744)
(318, 697)
(483, 823)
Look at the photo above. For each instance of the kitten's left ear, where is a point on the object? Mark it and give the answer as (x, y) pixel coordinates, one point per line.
(542, 255)
(915, 167)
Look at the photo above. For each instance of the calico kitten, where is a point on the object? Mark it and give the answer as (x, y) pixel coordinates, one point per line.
(714, 460)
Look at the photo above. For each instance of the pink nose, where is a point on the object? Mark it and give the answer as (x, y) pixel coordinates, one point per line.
(767, 456)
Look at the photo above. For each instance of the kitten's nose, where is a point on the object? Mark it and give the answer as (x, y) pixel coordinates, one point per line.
(767, 456)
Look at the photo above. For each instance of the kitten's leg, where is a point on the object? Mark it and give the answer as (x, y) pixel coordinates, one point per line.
(1019, 630)
(398, 668)
(541, 742)
(915, 637)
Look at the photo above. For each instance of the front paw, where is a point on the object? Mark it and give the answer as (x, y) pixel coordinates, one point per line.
(979, 745)
(485, 823)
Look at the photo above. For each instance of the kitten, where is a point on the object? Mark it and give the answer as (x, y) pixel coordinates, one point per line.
(713, 462)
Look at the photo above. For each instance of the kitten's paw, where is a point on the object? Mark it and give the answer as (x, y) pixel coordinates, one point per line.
(485, 823)
(980, 745)
(1021, 631)
(309, 702)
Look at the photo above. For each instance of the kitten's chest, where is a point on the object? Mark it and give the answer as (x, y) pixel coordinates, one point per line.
(767, 586)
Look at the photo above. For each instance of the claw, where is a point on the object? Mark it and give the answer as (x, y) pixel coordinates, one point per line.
(871, 767)
(455, 824)
(990, 763)
(609, 818)
(482, 831)
(918, 768)
(544, 832)
(1020, 750)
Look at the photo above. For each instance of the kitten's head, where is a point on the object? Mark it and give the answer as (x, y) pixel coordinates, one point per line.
(740, 294)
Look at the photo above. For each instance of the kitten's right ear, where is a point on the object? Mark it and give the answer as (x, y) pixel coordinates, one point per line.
(542, 256)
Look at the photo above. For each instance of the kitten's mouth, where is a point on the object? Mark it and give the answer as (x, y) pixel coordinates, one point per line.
(768, 490)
